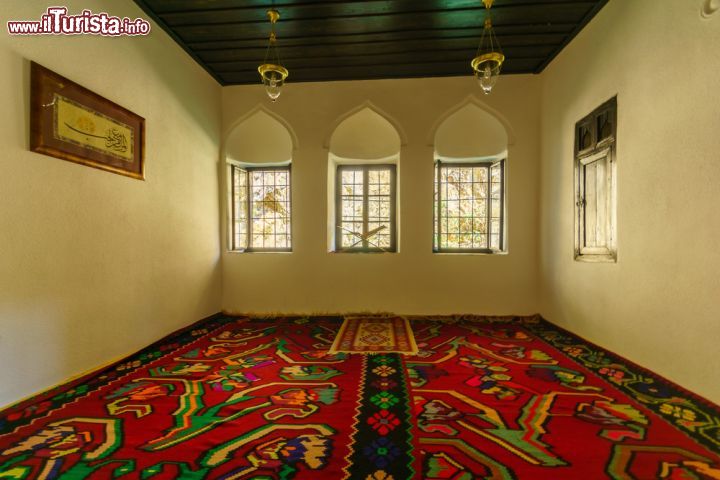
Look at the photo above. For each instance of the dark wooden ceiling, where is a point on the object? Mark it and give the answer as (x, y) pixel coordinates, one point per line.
(354, 40)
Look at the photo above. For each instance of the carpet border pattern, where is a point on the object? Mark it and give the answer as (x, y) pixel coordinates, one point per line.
(691, 414)
(42, 403)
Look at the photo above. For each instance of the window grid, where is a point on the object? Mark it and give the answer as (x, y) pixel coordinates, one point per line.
(469, 207)
(262, 209)
(365, 208)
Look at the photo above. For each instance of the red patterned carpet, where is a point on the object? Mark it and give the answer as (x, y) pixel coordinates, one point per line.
(252, 398)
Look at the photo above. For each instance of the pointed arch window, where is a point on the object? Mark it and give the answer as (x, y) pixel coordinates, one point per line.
(363, 166)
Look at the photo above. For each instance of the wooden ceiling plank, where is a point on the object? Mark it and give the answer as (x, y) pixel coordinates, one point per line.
(566, 28)
(313, 12)
(380, 24)
(233, 50)
(324, 11)
(461, 65)
(393, 37)
(146, 8)
(172, 7)
(589, 16)
(358, 39)
(178, 6)
(401, 71)
(356, 49)
(380, 59)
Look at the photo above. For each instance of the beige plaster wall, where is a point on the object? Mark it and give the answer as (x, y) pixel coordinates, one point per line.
(365, 135)
(414, 280)
(452, 138)
(93, 265)
(259, 139)
(659, 304)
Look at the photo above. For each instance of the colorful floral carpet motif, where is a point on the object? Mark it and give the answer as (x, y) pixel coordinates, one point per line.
(263, 398)
(373, 334)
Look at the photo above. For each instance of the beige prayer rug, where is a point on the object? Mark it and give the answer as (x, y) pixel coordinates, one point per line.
(375, 335)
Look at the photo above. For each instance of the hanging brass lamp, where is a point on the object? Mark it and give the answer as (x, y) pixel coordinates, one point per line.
(489, 58)
(272, 73)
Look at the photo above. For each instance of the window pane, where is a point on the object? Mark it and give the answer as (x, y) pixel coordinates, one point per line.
(595, 204)
(374, 208)
(257, 191)
(378, 230)
(480, 226)
(378, 234)
(436, 206)
(604, 125)
(351, 233)
(240, 197)
(385, 176)
(480, 190)
(452, 191)
(590, 205)
(468, 199)
(270, 209)
(352, 208)
(601, 205)
(479, 209)
(495, 212)
(365, 210)
(347, 177)
(496, 174)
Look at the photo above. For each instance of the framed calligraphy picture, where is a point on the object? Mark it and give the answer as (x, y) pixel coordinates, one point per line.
(70, 122)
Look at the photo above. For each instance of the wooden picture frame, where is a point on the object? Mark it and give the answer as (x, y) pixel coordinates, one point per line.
(70, 122)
